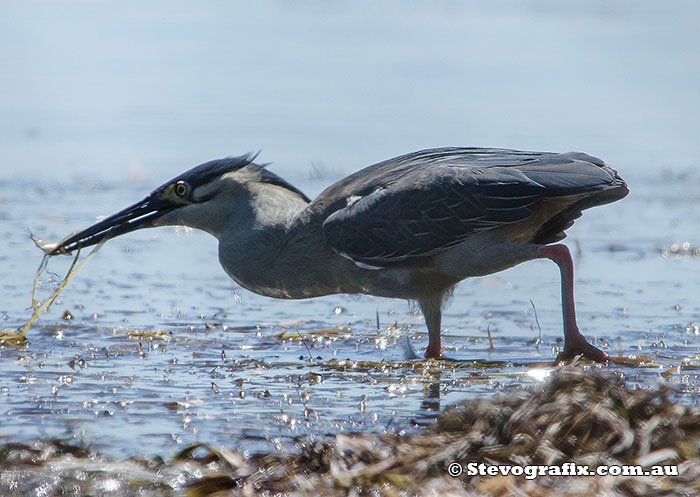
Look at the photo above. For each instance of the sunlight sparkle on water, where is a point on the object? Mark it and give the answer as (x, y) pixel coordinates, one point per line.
(539, 374)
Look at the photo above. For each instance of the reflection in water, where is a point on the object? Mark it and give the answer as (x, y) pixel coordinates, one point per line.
(431, 397)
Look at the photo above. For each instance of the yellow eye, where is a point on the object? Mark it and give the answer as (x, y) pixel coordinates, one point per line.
(181, 189)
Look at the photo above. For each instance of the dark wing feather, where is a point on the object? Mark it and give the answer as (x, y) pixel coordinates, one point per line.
(411, 207)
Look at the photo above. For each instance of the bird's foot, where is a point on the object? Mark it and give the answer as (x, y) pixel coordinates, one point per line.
(433, 352)
(577, 345)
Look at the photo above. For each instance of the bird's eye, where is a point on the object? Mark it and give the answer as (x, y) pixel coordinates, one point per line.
(181, 189)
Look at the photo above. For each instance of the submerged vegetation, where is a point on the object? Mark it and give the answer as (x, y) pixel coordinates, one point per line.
(578, 416)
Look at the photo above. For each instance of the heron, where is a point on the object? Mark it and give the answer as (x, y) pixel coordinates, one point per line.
(411, 227)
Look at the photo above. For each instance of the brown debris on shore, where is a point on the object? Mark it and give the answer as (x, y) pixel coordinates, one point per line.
(579, 416)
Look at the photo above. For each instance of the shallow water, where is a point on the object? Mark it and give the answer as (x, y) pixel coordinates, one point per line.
(172, 351)
(164, 350)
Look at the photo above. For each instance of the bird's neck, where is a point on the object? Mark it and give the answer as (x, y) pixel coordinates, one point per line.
(277, 250)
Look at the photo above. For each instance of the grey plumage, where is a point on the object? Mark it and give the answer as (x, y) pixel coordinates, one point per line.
(408, 208)
(410, 227)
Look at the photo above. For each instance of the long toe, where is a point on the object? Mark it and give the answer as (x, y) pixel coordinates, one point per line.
(580, 346)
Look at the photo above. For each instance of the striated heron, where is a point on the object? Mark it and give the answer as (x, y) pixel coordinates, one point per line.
(411, 227)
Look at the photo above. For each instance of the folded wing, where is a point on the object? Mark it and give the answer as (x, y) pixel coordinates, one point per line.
(412, 207)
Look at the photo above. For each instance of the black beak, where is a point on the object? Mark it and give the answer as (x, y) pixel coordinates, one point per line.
(144, 214)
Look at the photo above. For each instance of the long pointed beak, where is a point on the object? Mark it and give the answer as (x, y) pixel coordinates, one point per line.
(144, 214)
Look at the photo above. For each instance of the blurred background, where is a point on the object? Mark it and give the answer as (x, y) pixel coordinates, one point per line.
(140, 91)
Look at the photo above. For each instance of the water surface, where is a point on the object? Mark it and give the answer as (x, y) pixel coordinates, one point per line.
(163, 349)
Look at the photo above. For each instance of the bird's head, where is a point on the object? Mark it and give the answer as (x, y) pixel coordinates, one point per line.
(205, 197)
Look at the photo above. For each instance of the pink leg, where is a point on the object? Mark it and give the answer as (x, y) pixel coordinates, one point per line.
(574, 343)
(432, 313)
(433, 351)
